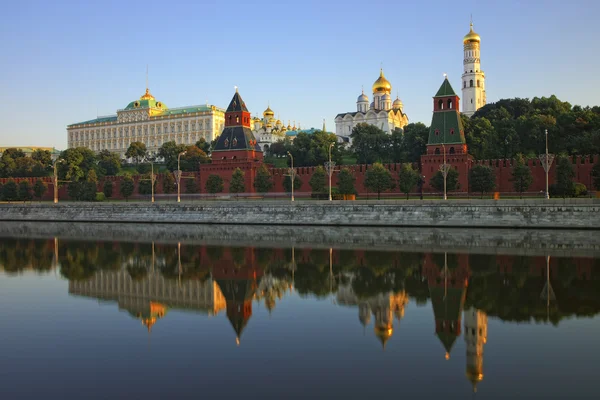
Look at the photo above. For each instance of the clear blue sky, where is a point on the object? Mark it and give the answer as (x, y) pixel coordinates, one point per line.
(65, 62)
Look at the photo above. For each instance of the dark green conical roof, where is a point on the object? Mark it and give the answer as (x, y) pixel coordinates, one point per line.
(445, 89)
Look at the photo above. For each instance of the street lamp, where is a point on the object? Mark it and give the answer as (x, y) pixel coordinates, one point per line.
(329, 166)
(178, 176)
(292, 173)
(55, 179)
(546, 160)
(444, 170)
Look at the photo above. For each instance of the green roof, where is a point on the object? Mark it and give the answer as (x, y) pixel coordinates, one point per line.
(445, 89)
(443, 123)
(189, 109)
(99, 120)
(146, 103)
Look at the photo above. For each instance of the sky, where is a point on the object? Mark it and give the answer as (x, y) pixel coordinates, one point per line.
(63, 62)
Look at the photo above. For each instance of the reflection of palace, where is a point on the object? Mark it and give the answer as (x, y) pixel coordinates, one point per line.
(383, 307)
(148, 298)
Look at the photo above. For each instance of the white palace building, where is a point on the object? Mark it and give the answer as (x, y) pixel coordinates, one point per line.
(148, 121)
(381, 112)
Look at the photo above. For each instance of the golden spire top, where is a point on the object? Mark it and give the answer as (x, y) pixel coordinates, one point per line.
(147, 95)
(382, 84)
(471, 36)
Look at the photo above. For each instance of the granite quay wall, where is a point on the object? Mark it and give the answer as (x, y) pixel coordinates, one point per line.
(551, 214)
(509, 242)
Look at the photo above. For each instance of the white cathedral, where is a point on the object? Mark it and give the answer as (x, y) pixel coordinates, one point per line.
(381, 112)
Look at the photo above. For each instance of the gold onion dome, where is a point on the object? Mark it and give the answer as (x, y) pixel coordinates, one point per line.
(471, 36)
(268, 111)
(382, 84)
(384, 333)
(147, 95)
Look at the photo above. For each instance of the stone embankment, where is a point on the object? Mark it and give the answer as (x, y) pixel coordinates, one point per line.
(550, 214)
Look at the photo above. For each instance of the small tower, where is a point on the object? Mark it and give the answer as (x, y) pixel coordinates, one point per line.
(475, 338)
(362, 103)
(381, 88)
(473, 78)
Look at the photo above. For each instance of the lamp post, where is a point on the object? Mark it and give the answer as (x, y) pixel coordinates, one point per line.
(444, 170)
(329, 166)
(178, 176)
(55, 179)
(546, 160)
(292, 173)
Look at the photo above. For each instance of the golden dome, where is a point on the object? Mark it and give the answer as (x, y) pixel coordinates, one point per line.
(384, 333)
(268, 112)
(147, 95)
(382, 84)
(471, 36)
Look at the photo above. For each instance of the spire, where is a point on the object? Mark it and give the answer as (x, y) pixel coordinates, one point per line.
(324, 130)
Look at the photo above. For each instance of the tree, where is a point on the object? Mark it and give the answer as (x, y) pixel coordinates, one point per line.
(25, 191)
(564, 178)
(169, 185)
(346, 182)
(137, 151)
(10, 191)
(287, 183)
(521, 176)
(237, 183)
(378, 179)
(127, 187)
(44, 157)
(318, 181)
(39, 189)
(214, 184)
(370, 144)
(596, 176)
(408, 178)
(203, 145)
(145, 185)
(77, 163)
(192, 158)
(107, 188)
(109, 163)
(263, 181)
(191, 187)
(169, 151)
(414, 142)
(482, 179)
(437, 181)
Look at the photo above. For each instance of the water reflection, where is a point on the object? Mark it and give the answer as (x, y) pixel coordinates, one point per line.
(146, 280)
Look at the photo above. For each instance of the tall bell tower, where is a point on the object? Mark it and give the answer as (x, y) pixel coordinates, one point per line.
(473, 78)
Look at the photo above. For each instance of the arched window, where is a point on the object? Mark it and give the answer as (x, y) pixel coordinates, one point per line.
(451, 150)
(441, 104)
(471, 83)
(437, 150)
(449, 104)
(478, 83)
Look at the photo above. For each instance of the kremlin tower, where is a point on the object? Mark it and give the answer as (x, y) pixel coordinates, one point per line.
(475, 338)
(473, 79)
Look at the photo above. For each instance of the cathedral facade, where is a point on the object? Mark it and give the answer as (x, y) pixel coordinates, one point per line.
(381, 112)
(268, 130)
(148, 121)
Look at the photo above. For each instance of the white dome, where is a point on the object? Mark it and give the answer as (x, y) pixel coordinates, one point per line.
(398, 103)
(362, 99)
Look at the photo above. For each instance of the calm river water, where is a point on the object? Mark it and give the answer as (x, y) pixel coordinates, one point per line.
(147, 320)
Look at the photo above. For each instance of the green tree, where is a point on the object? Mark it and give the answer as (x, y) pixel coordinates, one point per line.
(521, 176)
(136, 151)
(482, 179)
(10, 191)
(168, 184)
(192, 159)
(127, 187)
(203, 145)
(596, 175)
(78, 161)
(144, 168)
(346, 182)
(214, 184)
(378, 179)
(565, 186)
(109, 163)
(169, 151)
(8, 162)
(370, 144)
(237, 183)
(25, 191)
(437, 181)
(287, 183)
(414, 143)
(318, 181)
(39, 189)
(408, 179)
(191, 187)
(145, 185)
(263, 182)
(107, 188)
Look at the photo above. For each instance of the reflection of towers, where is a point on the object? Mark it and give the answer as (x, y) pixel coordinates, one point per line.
(383, 307)
(475, 338)
(447, 278)
(238, 282)
(272, 289)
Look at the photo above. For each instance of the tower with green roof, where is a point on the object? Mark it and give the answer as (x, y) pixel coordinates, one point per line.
(446, 142)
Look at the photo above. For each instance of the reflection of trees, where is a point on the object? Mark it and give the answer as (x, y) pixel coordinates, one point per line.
(312, 278)
(20, 254)
(192, 265)
(78, 259)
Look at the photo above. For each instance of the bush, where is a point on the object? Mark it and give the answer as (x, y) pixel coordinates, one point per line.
(100, 196)
(10, 191)
(107, 188)
(25, 191)
(144, 168)
(580, 190)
